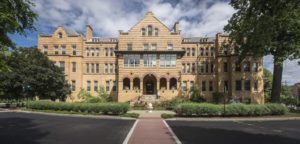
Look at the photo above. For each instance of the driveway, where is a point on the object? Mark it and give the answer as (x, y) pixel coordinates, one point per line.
(25, 128)
(237, 132)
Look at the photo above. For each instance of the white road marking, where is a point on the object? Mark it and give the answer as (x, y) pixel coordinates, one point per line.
(172, 133)
(130, 132)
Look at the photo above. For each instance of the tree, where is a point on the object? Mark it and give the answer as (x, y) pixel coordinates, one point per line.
(263, 27)
(267, 77)
(32, 74)
(196, 95)
(16, 16)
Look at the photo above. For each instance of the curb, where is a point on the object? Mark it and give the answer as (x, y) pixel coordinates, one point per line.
(235, 119)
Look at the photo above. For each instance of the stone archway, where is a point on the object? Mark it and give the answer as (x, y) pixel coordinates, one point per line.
(149, 85)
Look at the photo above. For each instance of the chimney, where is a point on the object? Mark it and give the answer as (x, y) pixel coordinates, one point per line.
(88, 32)
(176, 27)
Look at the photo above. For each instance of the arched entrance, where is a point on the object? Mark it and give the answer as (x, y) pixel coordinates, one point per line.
(149, 85)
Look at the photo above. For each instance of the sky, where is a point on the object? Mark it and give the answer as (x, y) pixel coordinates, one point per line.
(196, 18)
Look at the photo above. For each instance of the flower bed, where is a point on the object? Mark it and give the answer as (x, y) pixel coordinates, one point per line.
(206, 109)
(101, 108)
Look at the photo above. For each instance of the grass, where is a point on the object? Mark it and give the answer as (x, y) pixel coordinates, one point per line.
(292, 113)
(167, 116)
(132, 115)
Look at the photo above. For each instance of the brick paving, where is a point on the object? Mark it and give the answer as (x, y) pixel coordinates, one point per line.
(151, 129)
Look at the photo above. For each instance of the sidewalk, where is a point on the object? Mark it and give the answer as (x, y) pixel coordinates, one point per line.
(151, 129)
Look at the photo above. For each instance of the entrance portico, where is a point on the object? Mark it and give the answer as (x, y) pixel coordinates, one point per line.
(149, 85)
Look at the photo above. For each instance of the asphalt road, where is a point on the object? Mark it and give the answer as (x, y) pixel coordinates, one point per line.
(237, 132)
(22, 128)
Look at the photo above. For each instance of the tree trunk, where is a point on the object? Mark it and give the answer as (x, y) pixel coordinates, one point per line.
(277, 77)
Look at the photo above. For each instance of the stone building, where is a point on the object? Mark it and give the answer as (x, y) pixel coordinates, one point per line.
(150, 61)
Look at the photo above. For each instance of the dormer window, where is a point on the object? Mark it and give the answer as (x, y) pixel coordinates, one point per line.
(149, 30)
(156, 31)
(59, 35)
(143, 31)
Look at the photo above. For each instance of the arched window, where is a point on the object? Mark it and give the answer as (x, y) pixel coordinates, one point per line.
(173, 83)
(149, 30)
(59, 35)
(143, 32)
(136, 83)
(126, 84)
(156, 31)
(163, 83)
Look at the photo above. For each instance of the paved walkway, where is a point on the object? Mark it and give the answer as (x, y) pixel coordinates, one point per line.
(150, 128)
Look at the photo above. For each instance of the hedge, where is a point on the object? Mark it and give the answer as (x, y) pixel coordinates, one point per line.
(206, 109)
(101, 108)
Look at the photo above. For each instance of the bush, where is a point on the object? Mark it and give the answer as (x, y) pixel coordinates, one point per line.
(206, 109)
(103, 108)
(167, 116)
(196, 95)
(172, 104)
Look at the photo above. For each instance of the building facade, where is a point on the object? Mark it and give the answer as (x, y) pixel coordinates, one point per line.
(152, 61)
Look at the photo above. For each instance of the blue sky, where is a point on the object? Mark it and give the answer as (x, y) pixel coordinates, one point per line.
(196, 17)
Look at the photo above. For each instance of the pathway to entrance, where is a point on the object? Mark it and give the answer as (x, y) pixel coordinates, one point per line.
(150, 128)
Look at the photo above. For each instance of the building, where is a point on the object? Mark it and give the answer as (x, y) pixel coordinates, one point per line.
(152, 61)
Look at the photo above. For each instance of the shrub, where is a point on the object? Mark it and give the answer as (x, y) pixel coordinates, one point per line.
(217, 97)
(104, 108)
(196, 95)
(206, 109)
(167, 116)
(172, 104)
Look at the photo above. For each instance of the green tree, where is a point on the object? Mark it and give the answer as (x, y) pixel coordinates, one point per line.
(32, 74)
(196, 95)
(267, 77)
(264, 27)
(16, 16)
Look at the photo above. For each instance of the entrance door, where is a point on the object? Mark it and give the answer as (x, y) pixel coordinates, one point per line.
(149, 87)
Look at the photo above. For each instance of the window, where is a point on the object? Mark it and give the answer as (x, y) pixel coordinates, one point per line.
(111, 68)
(225, 86)
(168, 60)
(206, 68)
(210, 86)
(255, 85)
(149, 30)
(212, 51)
(62, 66)
(184, 86)
(106, 51)
(63, 49)
(114, 88)
(88, 85)
(97, 68)
(203, 85)
(156, 31)
(45, 49)
(56, 50)
(188, 51)
(131, 60)
(126, 84)
(87, 68)
(193, 68)
(212, 68)
(107, 86)
(97, 52)
(192, 84)
(95, 85)
(87, 50)
(225, 50)
(129, 46)
(59, 35)
(184, 51)
(247, 66)
(255, 67)
(173, 83)
(106, 68)
(193, 51)
(201, 51)
(145, 46)
(170, 47)
(111, 51)
(247, 85)
(183, 68)
(202, 68)
(238, 85)
(163, 83)
(143, 32)
(188, 68)
(73, 66)
(225, 67)
(136, 83)
(93, 68)
(92, 51)
(74, 49)
(237, 67)
(149, 60)
(73, 85)
(153, 46)
(206, 52)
